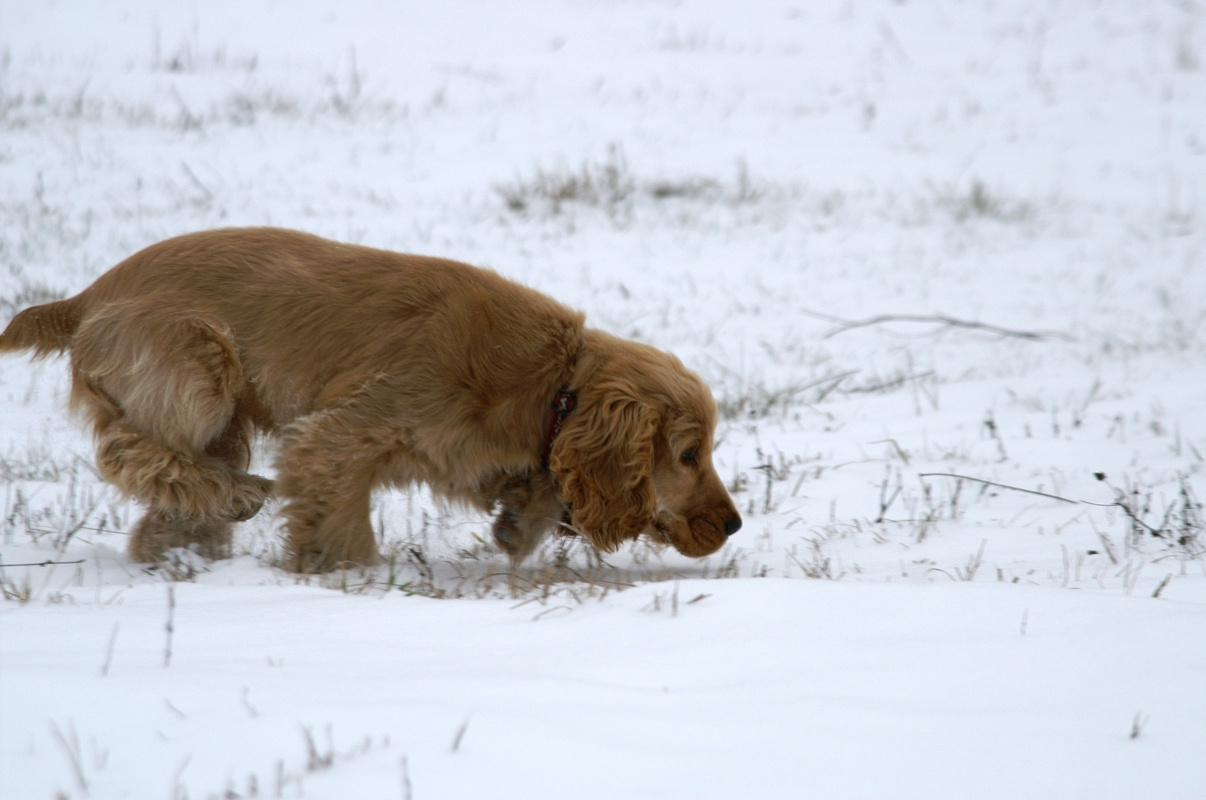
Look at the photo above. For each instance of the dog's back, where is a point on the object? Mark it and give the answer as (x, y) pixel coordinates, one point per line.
(312, 318)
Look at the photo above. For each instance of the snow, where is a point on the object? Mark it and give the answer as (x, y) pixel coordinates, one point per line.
(910, 610)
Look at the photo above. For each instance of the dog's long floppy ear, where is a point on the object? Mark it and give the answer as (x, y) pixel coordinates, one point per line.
(603, 463)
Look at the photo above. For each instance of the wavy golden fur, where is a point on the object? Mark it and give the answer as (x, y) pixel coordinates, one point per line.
(373, 368)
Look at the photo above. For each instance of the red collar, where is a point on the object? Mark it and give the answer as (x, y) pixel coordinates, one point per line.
(564, 403)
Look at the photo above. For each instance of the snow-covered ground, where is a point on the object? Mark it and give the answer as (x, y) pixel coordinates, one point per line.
(944, 265)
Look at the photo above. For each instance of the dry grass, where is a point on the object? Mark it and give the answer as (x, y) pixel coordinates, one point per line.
(611, 186)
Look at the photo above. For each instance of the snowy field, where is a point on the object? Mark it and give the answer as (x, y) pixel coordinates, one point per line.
(943, 264)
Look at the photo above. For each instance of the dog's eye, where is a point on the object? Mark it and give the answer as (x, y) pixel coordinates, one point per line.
(688, 458)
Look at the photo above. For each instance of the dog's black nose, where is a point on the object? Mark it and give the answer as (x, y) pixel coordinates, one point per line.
(731, 526)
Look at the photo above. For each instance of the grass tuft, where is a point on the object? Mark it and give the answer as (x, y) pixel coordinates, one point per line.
(1179, 525)
(981, 202)
(610, 185)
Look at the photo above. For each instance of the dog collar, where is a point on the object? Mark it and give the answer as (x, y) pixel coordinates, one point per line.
(564, 403)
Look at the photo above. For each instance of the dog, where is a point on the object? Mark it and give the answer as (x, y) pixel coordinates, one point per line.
(373, 368)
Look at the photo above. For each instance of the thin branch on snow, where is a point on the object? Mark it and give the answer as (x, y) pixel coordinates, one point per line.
(71, 748)
(109, 652)
(460, 734)
(998, 485)
(169, 627)
(44, 563)
(844, 325)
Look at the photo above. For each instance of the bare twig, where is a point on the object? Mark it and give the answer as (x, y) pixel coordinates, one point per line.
(998, 485)
(973, 564)
(844, 325)
(192, 176)
(315, 760)
(167, 647)
(550, 610)
(1139, 724)
(1163, 583)
(1108, 546)
(885, 502)
(407, 792)
(45, 563)
(71, 748)
(109, 652)
(247, 704)
(895, 446)
(178, 789)
(460, 734)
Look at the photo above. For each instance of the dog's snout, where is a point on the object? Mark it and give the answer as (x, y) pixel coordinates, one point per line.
(732, 525)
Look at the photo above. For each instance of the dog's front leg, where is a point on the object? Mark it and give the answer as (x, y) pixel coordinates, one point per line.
(326, 468)
(528, 508)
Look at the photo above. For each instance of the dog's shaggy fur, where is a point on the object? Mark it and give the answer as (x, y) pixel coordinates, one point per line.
(373, 368)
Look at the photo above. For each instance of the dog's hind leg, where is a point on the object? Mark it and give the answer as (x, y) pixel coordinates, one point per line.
(209, 534)
(185, 484)
(159, 531)
(162, 394)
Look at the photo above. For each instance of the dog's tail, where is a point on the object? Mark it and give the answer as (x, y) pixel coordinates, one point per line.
(45, 329)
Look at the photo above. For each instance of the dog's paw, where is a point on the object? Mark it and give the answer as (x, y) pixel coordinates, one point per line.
(506, 532)
(516, 536)
(160, 533)
(248, 497)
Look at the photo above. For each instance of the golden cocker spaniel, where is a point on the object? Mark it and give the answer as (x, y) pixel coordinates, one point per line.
(373, 368)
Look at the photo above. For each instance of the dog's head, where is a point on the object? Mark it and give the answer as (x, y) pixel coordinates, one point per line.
(635, 457)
